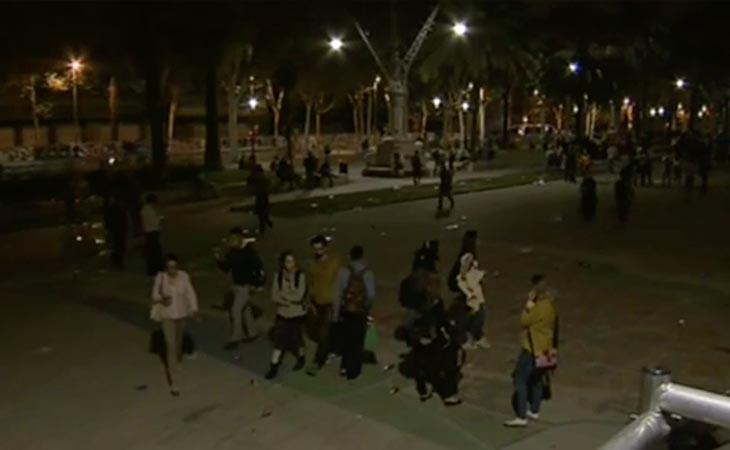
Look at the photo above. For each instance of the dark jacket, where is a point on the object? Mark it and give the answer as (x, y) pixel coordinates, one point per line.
(245, 266)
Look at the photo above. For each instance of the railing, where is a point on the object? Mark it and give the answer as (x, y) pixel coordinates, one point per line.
(660, 399)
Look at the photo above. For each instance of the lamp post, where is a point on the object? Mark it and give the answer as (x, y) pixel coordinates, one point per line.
(75, 67)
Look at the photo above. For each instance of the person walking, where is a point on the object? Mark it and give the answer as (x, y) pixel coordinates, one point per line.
(323, 274)
(421, 289)
(289, 294)
(262, 206)
(116, 222)
(173, 302)
(571, 164)
(538, 352)
(310, 169)
(352, 305)
(446, 182)
(588, 198)
(416, 168)
(667, 167)
(247, 272)
(151, 228)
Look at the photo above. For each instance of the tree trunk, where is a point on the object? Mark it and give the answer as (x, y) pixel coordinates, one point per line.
(424, 118)
(481, 117)
(693, 107)
(361, 115)
(171, 121)
(369, 124)
(113, 120)
(34, 110)
(579, 115)
(462, 131)
(233, 100)
(307, 120)
(156, 115)
(212, 136)
(318, 124)
(506, 108)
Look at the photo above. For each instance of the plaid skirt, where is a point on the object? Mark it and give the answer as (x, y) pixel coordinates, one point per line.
(287, 334)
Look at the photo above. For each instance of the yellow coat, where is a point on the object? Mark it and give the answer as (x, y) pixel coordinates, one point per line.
(540, 321)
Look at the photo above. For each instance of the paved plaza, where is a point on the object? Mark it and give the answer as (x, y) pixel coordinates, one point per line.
(76, 372)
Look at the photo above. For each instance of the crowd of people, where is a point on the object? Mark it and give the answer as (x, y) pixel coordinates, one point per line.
(330, 302)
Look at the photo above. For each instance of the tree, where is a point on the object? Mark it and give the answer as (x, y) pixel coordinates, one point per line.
(274, 100)
(238, 54)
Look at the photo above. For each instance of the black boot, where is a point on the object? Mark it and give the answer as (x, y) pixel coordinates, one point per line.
(299, 365)
(273, 371)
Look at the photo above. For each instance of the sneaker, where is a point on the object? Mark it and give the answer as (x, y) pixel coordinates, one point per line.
(452, 401)
(533, 416)
(483, 343)
(469, 345)
(517, 422)
(426, 397)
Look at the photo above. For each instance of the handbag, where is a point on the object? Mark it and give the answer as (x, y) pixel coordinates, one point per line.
(547, 360)
(157, 345)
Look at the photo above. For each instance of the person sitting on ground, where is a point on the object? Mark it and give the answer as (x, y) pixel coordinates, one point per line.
(537, 353)
(289, 294)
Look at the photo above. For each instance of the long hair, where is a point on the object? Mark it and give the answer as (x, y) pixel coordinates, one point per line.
(469, 243)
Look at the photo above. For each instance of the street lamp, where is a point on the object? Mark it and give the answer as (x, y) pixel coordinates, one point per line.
(436, 102)
(574, 67)
(75, 66)
(253, 103)
(336, 44)
(460, 29)
(680, 83)
(465, 106)
(652, 112)
(660, 110)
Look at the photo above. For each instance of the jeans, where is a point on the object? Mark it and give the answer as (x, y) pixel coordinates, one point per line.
(241, 315)
(438, 367)
(475, 323)
(323, 326)
(173, 330)
(153, 252)
(528, 385)
(352, 329)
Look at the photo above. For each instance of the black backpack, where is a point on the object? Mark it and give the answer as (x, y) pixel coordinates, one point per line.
(407, 295)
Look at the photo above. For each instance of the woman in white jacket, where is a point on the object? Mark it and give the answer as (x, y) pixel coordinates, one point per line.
(173, 301)
(289, 294)
(471, 284)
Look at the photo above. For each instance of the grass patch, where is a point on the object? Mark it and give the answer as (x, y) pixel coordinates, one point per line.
(226, 177)
(346, 202)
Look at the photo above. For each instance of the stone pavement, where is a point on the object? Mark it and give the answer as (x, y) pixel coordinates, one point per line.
(76, 373)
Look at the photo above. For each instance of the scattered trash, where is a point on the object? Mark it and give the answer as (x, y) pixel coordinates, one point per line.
(357, 209)
(358, 417)
(463, 218)
(79, 238)
(265, 413)
(526, 250)
(141, 387)
(681, 322)
(394, 390)
(313, 205)
(330, 196)
(557, 218)
(45, 349)
(396, 188)
(99, 241)
(236, 357)
(383, 233)
(584, 265)
(435, 188)
(452, 227)
(496, 274)
(388, 367)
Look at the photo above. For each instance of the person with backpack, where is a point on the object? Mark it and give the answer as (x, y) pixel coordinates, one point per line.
(446, 186)
(352, 305)
(538, 353)
(289, 294)
(421, 289)
(248, 274)
(323, 273)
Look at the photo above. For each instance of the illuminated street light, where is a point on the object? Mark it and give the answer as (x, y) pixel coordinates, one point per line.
(627, 101)
(536, 92)
(660, 110)
(525, 119)
(336, 44)
(575, 109)
(681, 83)
(75, 66)
(652, 112)
(436, 102)
(460, 29)
(253, 103)
(574, 67)
(704, 108)
(465, 106)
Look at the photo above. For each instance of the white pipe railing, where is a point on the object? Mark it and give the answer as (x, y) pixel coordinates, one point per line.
(670, 398)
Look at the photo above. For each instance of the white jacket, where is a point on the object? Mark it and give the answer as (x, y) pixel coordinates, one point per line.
(184, 301)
